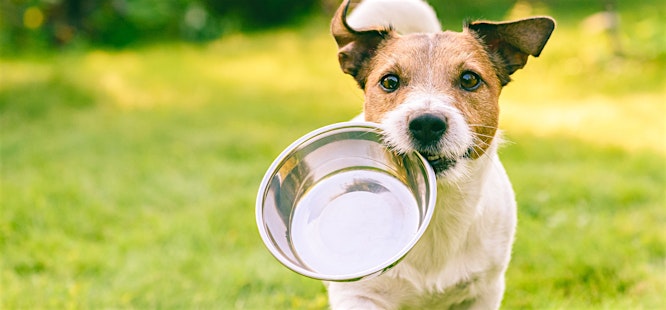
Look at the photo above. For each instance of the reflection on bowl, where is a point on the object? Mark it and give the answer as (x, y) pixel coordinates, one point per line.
(339, 205)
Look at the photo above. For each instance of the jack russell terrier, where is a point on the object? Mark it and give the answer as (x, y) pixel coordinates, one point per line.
(436, 92)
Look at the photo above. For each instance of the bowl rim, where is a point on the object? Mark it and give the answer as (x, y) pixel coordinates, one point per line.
(369, 272)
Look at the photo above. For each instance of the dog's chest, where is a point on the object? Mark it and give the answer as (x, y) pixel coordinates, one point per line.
(445, 284)
(447, 267)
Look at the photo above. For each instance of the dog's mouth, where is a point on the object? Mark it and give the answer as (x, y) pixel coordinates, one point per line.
(441, 163)
(438, 162)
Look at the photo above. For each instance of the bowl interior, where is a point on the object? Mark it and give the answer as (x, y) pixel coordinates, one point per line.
(338, 205)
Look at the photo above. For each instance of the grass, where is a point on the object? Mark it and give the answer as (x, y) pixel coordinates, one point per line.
(128, 177)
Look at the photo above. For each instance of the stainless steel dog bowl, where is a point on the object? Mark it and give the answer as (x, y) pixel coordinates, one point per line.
(338, 205)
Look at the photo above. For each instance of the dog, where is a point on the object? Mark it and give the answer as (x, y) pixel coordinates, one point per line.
(436, 92)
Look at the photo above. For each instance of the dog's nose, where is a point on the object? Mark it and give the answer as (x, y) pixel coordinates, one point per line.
(427, 129)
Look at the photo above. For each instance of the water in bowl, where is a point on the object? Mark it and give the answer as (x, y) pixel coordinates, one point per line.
(353, 221)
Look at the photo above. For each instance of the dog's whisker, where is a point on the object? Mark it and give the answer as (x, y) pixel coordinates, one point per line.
(480, 142)
(476, 152)
(482, 125)
(477, 139)
(483, 135)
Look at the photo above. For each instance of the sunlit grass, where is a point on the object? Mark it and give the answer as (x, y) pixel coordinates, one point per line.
(128, 177)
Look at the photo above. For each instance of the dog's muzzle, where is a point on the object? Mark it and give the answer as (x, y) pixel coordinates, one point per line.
(427, 130)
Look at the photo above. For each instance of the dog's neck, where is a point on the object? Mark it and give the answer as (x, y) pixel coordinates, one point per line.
(458, 208)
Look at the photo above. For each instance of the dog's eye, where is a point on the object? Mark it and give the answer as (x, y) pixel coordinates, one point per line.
(470, 81)
(389, 83)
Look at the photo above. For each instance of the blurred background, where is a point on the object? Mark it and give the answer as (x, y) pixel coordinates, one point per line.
(134, 135)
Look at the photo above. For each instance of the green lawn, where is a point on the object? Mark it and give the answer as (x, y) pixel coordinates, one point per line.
(128, 178)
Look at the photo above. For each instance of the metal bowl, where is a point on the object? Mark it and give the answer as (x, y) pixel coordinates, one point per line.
(338, 205)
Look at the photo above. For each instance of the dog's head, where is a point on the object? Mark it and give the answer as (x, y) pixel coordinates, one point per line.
(437, 93)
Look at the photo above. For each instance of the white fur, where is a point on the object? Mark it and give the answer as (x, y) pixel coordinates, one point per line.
(462, 256)
(406, 16)
(461, 259)
(454, 144)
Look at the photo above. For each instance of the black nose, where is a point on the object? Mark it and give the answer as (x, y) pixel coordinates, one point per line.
(427, 129)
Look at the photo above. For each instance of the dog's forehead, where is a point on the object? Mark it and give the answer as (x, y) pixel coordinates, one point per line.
(443, 53)
(446, 41)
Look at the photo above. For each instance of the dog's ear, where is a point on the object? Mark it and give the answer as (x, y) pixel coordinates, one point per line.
(514, 41)
(355, 47)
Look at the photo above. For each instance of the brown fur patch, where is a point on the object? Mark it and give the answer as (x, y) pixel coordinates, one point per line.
(434, 63)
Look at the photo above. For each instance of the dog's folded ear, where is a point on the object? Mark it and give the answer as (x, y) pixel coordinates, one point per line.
(355, 47)
(514, 41)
